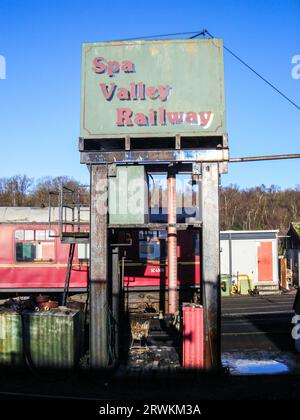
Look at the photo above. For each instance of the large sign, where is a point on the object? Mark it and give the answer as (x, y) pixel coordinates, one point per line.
(153, 88)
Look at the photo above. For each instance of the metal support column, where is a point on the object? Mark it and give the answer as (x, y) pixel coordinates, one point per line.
(172, 241)
(98, 268)
(116, 299)
(211, 265)
(68, 273)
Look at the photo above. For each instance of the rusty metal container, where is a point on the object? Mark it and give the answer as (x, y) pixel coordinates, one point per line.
(193, 336)
(47, 339)
(54, 338)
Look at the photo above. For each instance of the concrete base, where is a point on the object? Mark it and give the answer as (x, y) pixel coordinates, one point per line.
(270, 292)
(269, 289)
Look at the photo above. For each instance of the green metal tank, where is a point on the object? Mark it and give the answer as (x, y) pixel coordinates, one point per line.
(225, 285)
(48, 339)
(10, 339)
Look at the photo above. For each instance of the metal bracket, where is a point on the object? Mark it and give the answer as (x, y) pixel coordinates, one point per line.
(127, 143)
(223, 167)
(112, 169)
(81, 144)
(196, 168)
(177, 142)
(225, 140)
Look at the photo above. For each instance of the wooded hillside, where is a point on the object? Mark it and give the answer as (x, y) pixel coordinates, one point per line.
(254, 208)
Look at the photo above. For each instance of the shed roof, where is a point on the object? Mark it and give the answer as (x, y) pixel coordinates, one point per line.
(36, 215)
(249, 234)
(251, 231)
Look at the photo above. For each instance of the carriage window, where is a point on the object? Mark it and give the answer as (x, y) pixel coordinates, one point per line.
(149, 251)
(83, 252)
(34, 245)
(44, 251)
(37, 235)
(25, 251)
(40, 235)
(19, 235)
(29, 235)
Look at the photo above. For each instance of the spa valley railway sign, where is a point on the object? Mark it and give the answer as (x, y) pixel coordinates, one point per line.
(153, 88)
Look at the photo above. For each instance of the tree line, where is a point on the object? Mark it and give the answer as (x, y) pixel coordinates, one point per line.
(253, 208)
(259, 207)
(21, 190)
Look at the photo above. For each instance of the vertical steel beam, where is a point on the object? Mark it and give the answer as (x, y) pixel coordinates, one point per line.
(211, 265)
(172, 241)
(116, 298)
(98, 268)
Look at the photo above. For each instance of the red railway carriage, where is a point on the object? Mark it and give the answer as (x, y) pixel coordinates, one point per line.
(145, 264)
(144, 268)
(32, 258)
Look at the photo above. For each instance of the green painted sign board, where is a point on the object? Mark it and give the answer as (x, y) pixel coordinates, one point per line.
(153, 88)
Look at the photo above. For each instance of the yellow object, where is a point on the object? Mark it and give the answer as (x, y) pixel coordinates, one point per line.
(244, 284)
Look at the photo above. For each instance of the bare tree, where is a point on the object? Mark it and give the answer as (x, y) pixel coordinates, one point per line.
(14, 191)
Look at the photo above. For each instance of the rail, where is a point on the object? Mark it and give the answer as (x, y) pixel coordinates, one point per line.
(69, 203)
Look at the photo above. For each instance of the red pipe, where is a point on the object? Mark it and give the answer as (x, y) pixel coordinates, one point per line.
(172, 241)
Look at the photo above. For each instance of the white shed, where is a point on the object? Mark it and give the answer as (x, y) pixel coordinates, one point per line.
(253, 253)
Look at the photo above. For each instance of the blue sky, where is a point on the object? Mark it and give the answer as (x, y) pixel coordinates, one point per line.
(40, 98)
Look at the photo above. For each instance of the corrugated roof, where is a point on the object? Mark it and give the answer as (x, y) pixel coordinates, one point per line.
(36, 215)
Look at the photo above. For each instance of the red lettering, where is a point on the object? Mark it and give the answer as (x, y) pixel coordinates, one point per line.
(162, 116)
(191, 118)
(108, 94)
(205, 118)
(151, 92)
(141, 91)
(98, 66)
(112, 68)
(124, 117)
(128, 66)
(175, 117)
(164, 92)
(123, 94)
(140, 119)
(152, 116)
(133, 91)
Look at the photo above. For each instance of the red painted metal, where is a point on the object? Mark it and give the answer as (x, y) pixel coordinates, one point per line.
(49, 275)
(193, 336)
(265, 261)
(37, 275)
(155, 273)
